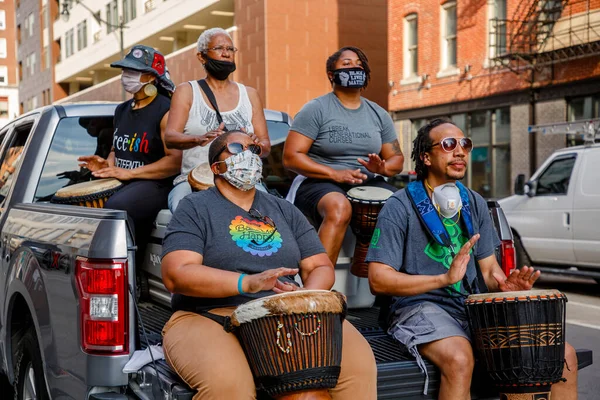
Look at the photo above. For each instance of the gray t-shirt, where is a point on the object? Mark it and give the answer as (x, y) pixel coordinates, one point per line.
(342, 135)
(232, 239)
(401, 242)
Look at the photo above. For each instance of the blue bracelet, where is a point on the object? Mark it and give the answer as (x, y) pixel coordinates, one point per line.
(240, 280)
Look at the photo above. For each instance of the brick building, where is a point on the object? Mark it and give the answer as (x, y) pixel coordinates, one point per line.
(494, 67)
(9, 90)
(283, 46)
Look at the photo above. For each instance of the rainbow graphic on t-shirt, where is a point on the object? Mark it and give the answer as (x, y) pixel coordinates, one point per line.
(255, 237)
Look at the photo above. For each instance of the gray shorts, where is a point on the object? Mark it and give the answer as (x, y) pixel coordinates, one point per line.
(424, 323)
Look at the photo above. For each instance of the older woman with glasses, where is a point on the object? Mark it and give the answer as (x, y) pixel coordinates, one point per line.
(231, 244)
(195, 119)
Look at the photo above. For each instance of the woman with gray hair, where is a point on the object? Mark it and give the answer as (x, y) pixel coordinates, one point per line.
(193, 120)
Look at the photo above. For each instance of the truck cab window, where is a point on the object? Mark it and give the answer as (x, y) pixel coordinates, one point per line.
(74, 137)
(11, 158)
(555, 179)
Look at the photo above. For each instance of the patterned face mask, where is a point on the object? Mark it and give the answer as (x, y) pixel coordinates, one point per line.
(244, 170)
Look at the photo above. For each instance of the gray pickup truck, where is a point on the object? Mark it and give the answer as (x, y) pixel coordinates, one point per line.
(63, 268)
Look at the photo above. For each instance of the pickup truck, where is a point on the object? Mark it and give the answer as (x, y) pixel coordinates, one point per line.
(555, 216)
(63, 268)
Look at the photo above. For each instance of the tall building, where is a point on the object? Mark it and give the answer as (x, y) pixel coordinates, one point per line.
(495, 67)
(283, 44)
(9, 90)
(36, 53)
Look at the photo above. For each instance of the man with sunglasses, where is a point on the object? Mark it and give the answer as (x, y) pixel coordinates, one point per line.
(434, 245)
(231, 244)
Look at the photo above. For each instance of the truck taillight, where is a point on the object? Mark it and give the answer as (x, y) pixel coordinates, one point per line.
(103, 302)
(509, 257)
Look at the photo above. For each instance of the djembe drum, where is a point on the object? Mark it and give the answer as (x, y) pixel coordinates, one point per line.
(88, 194)
(520, 338)
(201, 178)
(366, 202)
(293, 342)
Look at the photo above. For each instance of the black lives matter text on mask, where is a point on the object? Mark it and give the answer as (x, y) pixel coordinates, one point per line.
(342, 134)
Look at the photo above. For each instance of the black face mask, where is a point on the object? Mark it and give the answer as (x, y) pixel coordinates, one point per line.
(219, 69)
(350, 77)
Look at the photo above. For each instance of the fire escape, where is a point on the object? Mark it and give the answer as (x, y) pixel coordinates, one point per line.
(543, 33)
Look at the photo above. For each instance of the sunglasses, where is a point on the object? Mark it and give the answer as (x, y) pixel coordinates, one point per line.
(254, 213)
(237, 148)
(449, 144)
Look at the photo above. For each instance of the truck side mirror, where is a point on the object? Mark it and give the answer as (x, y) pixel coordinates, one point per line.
(530, 188)
(520, 184)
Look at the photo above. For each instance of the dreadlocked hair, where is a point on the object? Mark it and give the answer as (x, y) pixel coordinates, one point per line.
(423, 144)
(330, 65)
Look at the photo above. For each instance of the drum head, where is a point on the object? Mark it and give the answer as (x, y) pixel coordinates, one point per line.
(298, 302)
(201, 177)
(371, 193)
(520, 295)
(88, 188)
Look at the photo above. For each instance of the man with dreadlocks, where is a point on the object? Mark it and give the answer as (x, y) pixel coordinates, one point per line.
(338, 141)
(434, 244)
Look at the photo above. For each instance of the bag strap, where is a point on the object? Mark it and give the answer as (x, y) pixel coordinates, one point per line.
(225, 322)
(211, 97)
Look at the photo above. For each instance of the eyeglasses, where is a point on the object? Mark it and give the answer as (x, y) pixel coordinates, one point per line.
(221, 49)
(254, 213)
(237, 148)
(449, 144)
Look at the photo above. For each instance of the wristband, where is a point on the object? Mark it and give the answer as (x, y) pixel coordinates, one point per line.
(240, 280)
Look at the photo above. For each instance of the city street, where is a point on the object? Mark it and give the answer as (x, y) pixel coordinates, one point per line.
(583, 324)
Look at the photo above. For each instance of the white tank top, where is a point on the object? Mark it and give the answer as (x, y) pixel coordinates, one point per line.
(202, 118)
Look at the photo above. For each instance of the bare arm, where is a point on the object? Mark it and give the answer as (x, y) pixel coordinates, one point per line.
(258, 121)
(167, 166)
(295, 158)
(317, 272)
(183, 272)
(383, 279)
(496, 280)
(181, 103)
(388, 163)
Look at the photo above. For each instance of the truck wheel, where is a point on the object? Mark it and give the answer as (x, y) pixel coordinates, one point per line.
(522, 257)
(29, 371)
(142, 287)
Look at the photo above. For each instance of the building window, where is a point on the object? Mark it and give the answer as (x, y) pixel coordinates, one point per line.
(29, 24)
(69, 43)
(448, 35)
(497, 24)
(582, 108)
(129, 10)
(82, 35)
(3, 107)
(32, 64)
(112, 16)
(411, 63)
(2, 48)
(3, 75)
(2, 19)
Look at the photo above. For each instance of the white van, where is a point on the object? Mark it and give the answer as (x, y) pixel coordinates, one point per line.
(556, 216)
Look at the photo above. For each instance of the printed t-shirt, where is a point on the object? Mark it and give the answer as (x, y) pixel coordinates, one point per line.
(137, 140)
(400, 241)
(341, 135)
(233, 239)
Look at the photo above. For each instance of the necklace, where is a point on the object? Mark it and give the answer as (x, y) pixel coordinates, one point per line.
(135, 102)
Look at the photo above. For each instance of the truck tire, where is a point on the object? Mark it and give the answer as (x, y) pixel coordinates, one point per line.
(29, 370)
(522, 257)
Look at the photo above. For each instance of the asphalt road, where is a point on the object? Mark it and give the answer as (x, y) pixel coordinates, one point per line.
(583, 325)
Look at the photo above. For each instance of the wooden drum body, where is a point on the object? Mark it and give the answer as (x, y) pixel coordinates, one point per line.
(367, 202)
(201, 178)
(293, 342)
(88, 194)
(520, 338)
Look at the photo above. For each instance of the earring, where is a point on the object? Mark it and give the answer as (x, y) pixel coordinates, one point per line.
(150, 90)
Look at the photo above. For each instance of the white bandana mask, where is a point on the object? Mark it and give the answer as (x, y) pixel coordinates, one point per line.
(446, 199)
(130, 80)
(244, 170)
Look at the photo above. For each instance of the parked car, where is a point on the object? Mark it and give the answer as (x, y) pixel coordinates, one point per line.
(60, 264)
(555, 217)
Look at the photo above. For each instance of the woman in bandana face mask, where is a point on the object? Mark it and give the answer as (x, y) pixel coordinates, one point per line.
(228, 245)
(193, 122)
(338, 141)
(139, 157)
